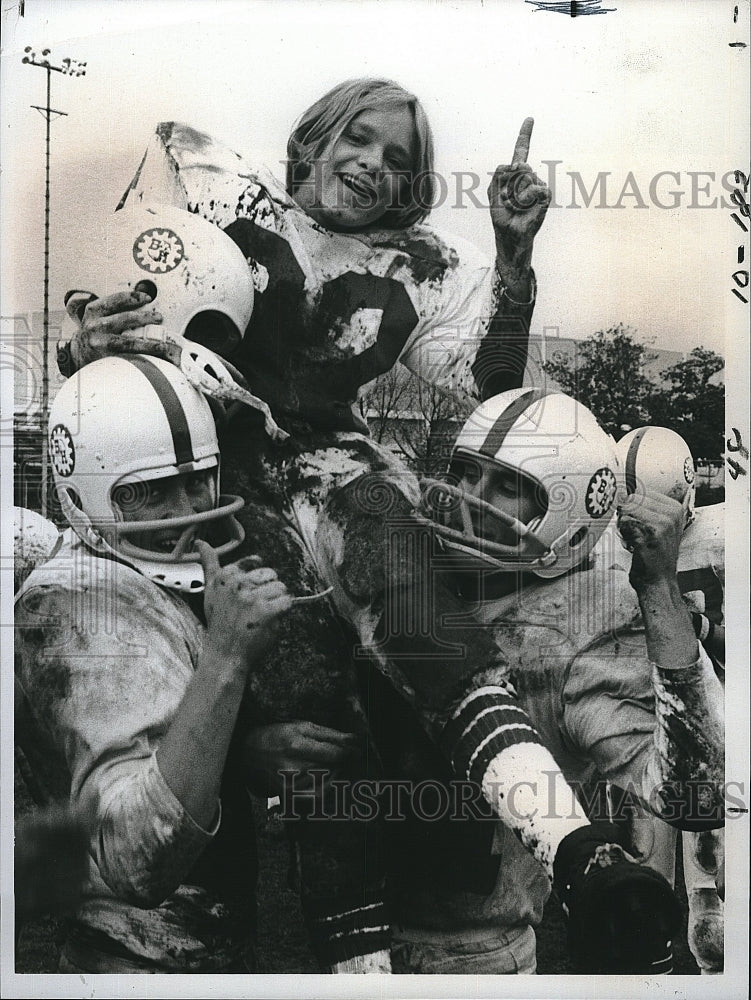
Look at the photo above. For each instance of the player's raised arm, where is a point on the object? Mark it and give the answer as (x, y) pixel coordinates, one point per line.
(518, 204)
(652, 527)
(690, 735)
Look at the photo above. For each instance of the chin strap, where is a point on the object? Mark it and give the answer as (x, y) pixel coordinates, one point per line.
(203, 368)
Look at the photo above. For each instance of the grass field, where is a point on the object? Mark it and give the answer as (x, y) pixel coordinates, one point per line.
(282, 945)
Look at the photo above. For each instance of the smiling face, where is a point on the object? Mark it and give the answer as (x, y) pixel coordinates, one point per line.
(363, 172)
(503, 488)
(162, 499)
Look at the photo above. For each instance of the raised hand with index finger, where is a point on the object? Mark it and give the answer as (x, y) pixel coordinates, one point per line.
(518, 203)
(521, 149)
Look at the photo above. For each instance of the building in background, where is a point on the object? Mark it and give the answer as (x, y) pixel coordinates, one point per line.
(22, 342)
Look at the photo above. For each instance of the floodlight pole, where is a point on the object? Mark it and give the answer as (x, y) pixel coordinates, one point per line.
(69, 67)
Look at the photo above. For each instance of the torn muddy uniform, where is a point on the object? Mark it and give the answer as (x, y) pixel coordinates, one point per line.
(701, 578)
(104, 657)
(573, 650)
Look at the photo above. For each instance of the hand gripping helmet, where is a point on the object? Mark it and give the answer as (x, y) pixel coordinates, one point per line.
(199, 281)
(556, 443)
(657, 458)
(199, 278)
(122, 421)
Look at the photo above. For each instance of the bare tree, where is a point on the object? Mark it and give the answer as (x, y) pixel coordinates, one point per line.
(381, 399)
(427, 437)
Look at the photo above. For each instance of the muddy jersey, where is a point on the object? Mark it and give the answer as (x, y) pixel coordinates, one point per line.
(103, 658)
(701, 562)
(576, 652)
(35, 540)
(334, 310)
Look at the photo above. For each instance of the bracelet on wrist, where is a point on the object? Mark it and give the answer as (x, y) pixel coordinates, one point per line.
(514, 302)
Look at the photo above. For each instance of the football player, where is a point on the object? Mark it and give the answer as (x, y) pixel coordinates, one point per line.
(534, 471)
(659, 459)
(134, 649)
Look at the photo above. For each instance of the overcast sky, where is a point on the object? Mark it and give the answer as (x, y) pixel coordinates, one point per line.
(646, 88)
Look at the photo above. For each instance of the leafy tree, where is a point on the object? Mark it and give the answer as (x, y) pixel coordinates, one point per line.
(690, 403)
(607, 375)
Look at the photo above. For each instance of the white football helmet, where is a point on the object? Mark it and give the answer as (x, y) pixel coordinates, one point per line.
(199, 281)
(556, 443)
(198, 276)
(122, 421)
(657, 458)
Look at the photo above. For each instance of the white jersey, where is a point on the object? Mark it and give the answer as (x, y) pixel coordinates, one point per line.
(104, 659)
(35, 539)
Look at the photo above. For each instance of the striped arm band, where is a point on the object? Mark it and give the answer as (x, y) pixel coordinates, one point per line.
(662, 966)
(486, 722)
(342, 933)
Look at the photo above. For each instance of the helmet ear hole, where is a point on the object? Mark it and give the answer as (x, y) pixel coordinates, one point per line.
(148, 287)
(73, 496)
(578, 537)
(214, 330)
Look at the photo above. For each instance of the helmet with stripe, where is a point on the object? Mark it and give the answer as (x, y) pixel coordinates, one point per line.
(656, 458)
(556, 445)
(120, 423)
(197, 276)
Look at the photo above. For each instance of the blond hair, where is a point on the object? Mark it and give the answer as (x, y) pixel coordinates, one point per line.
(325, 121)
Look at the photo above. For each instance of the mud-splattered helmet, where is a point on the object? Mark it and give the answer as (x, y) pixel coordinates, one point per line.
(197, 275)
(554, 442)
(121, 422)
(657, 458)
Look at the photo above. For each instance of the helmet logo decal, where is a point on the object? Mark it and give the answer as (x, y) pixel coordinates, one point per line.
(62, 452)
(158, 250)
(600, 492)
(688, 470)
